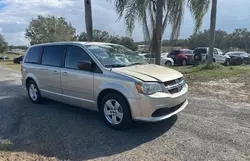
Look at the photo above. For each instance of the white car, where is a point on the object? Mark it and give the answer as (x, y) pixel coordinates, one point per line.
(201, 55)
(164, 59)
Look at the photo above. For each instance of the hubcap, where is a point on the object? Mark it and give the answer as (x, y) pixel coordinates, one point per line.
(113, 112)
(33, 92)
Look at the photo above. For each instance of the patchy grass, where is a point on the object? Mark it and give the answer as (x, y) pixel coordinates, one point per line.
(216, 80)
(5, 144)
(212, 72)
(10, 64)
(11, 56)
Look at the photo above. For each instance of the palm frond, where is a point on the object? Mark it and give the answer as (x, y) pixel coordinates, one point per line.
(120, 6)
(132, 10)
(198, 9)
(145, 28)
(176, 10)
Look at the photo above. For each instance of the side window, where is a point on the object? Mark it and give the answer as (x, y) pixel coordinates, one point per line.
(188, 52)
(53, 55)
(34, 55)
(74, 55)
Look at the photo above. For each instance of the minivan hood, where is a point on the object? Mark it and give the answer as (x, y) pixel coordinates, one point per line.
(149, 72)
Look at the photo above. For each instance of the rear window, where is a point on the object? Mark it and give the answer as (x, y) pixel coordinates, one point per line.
(189, 52)
(200, 51)
(34, 55)
(53, 55)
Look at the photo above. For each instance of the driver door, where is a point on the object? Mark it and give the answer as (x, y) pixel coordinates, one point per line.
(77, 85)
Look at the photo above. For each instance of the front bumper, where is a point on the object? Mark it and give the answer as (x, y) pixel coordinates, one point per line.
(158, 106)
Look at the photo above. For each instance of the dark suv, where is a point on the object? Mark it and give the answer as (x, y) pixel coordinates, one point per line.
(181, 56)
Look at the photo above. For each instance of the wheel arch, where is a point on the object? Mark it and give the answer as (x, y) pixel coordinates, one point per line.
(107, 91)
(31, 77)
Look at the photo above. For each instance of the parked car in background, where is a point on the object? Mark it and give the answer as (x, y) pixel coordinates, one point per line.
(238, 57)
(103, 77)
(5, 57)
(181, 56)
(164, 54)
(150, 58)
(201, 56)
(1, 57)
(18, 59)
(166, 61)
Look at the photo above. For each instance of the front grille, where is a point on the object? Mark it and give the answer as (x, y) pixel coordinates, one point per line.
(166, 111)
(175, 86)
(170, 83)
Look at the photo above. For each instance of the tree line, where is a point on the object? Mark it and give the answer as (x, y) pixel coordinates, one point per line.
(239, 38)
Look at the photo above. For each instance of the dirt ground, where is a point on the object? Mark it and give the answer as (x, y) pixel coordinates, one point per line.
(235, 89)
(214, 126)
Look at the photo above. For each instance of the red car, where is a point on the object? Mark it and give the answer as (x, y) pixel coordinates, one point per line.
(181, 56)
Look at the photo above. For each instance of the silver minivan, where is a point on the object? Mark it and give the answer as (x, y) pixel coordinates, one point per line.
(103, 77)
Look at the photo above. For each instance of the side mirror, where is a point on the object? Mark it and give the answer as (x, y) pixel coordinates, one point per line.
(84, 65)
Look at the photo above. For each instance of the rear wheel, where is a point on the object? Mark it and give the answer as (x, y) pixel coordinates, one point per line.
(184, 62)
(33, 92)
(115, 111)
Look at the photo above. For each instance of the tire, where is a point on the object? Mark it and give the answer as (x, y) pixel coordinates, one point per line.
(33, 92)
(184, 62)
(111, 114)
(227, 63)
(168, 63)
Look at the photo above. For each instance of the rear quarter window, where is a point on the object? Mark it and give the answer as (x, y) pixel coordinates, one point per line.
(34, 55)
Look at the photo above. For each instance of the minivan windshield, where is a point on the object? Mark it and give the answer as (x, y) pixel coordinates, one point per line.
(115, 55)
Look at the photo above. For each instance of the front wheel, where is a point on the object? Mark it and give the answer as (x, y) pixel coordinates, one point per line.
(227, 63)
(168, 63)
(115, 111)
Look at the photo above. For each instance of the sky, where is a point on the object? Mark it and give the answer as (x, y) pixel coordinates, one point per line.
(15, 16)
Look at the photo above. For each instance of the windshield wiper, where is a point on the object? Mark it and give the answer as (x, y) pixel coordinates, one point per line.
(115, 65)
(135, 64)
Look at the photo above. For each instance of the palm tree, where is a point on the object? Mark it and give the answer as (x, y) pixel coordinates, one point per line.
(158, 30)
(88, 19)
(212, 32)
(148, 13)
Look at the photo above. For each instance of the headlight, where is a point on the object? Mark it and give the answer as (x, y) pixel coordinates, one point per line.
(148, 88)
